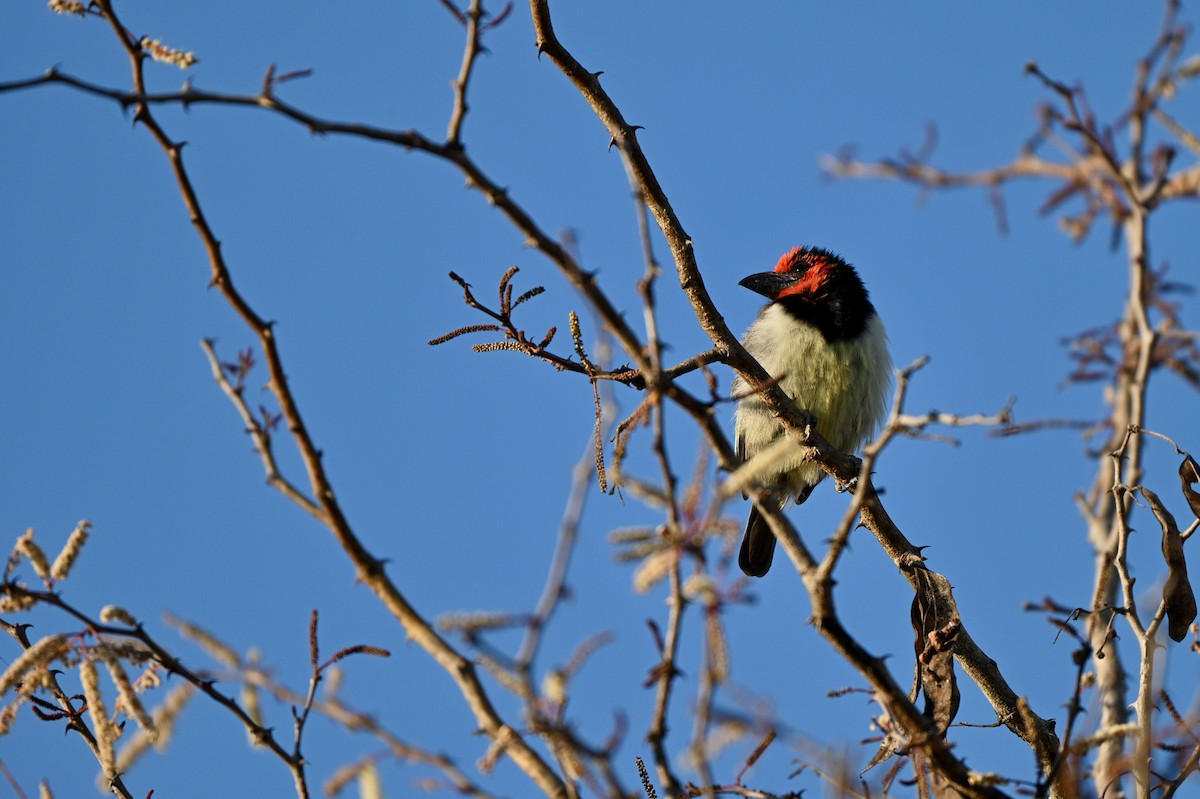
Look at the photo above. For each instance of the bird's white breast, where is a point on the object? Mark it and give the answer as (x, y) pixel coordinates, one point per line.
(843, 383)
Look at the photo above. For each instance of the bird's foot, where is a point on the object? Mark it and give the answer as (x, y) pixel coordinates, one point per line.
(809, 421)
(850, 485)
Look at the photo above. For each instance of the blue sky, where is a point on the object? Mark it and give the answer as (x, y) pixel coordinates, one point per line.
(455, 465)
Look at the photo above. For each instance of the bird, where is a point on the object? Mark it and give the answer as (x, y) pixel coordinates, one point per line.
(821, 338)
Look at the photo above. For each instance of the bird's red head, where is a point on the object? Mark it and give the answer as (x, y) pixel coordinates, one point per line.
(803, 273)
(813, 268)
(817, 287)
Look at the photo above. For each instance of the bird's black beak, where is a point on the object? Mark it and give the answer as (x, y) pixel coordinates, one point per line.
(770, 284)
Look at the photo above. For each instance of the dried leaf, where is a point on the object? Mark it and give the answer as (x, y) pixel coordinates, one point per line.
(1177, 590)
(936, 624)
(1189, 475)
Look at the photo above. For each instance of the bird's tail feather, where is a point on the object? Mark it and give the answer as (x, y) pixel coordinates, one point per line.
(758, 546)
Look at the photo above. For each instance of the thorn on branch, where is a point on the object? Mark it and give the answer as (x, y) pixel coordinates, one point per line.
(657, 634)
